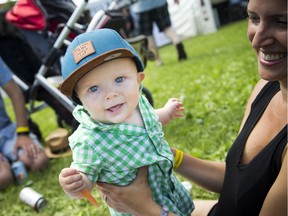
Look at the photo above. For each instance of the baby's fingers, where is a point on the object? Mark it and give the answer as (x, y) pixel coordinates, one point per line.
(179, 111)
(69, 176)
(71, 180)
(68, 172)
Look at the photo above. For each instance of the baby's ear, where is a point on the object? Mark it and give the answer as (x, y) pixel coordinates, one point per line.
(140, 76)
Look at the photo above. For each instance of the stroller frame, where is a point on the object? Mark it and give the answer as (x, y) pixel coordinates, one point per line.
(40, 78)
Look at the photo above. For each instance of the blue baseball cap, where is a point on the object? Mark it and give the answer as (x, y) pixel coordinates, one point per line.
(91, 49)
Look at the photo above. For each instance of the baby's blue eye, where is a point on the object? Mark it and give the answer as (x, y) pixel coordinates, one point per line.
(94, 88)
(119, 79)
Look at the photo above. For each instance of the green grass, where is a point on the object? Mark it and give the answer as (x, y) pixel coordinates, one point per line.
(214, 84)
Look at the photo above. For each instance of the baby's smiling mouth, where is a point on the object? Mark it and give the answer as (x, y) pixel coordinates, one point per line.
(115, 108)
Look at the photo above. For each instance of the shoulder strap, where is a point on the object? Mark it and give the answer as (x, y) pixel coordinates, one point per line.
(263, 98)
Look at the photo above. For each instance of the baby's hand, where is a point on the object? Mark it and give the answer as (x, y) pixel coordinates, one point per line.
(71, 182)
(174, 108)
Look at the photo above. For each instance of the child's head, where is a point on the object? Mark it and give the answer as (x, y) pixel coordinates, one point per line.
(103, 72)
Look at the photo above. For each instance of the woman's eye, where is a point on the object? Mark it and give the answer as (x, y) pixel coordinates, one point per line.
(253, 18)
(119, 79)
(282, 23)
(94, 88)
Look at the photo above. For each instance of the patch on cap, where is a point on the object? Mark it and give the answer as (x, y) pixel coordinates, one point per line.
(82, 51)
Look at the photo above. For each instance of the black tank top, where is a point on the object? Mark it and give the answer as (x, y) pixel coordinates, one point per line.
(246, 186)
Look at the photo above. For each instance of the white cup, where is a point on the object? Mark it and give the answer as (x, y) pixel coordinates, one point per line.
(32, 198)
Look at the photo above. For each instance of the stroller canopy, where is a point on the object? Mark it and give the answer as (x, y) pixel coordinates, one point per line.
(40, 14)
(26, 14)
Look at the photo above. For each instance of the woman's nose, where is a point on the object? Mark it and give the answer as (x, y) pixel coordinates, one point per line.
(111, 95)
(263, 36)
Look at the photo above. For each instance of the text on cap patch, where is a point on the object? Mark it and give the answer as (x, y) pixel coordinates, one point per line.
(82, 51)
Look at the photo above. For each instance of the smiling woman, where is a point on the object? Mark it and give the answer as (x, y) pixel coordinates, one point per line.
(267, 32)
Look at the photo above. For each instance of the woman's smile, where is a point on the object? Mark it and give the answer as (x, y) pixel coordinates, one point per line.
(272, 58)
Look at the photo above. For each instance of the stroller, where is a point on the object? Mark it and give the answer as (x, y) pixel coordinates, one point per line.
(32, 47)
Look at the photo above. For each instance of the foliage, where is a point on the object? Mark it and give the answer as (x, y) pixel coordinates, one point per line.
(214, 85)
(7, 5)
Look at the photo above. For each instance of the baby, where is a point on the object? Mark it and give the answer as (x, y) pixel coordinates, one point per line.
(119, 130)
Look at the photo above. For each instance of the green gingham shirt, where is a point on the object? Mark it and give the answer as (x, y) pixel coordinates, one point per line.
(113, 154)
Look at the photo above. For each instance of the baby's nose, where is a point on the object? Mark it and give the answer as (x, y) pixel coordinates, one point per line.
(111, 95)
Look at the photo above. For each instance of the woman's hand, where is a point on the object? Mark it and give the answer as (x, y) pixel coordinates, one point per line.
(135, 198)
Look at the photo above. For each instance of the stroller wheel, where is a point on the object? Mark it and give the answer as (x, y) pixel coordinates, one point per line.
(148, 95)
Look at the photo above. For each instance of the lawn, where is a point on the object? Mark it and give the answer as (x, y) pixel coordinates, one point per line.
(214, 85)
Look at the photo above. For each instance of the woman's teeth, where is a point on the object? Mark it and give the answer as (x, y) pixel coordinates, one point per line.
(273, 57)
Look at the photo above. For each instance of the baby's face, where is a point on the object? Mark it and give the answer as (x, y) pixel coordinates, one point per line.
(110, 92)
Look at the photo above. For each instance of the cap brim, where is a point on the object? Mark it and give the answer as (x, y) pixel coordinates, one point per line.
(69, 83)
(58, 155)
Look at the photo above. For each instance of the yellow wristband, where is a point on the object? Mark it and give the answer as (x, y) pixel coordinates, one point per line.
(178, 159)
(22, 130)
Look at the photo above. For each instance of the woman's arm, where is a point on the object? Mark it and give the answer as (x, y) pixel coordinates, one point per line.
(135, 199)
(207, 174)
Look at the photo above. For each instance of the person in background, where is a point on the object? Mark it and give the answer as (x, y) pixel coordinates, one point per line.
(253, 179)
(148, 12)
(16, 141)
(129, 28)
